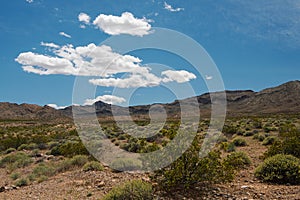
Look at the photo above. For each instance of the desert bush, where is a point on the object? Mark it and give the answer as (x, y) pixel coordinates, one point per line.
(227, 146)
(190, 169)
(15, 160)
(230, 129)
(289, 144)
(126, 164)
(93, 166)
(70, 149)
(135, 190)
(260, 137)
(43, 170)
(280, 169)
(237, 160)
(238, 141)
(9, 150)
(15, 176)
(30, 146)
(269, 140)
(248, 133)
(22, 182)
(79, 160)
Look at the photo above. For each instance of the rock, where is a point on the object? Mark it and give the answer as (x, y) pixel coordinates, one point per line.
(244, 187)
(101, 184)
(2, 189)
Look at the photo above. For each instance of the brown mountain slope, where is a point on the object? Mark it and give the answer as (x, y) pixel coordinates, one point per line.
(14, 111)
(277, 100)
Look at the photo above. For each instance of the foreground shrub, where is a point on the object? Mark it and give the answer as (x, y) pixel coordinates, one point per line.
(270, 140)
(22, 182)
(227, 146)
(15, 160)
(79, 160)
(135, 190)
(289, 144)
(190, 169)
(93, 166)
(237, 160)
(126, 164)
(69, 149)
(238, 141)
(280, 169)
(43, 170)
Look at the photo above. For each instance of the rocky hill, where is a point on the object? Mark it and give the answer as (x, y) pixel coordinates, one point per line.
(13, 111)
(283, 99)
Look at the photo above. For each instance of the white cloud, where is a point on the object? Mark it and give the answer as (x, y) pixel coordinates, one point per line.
(170, 8)
(64, 34)
(100, 62)
(51, 45)
(178, 76)
(83, 17)
(56, 106)
(207, 77)
(124, 24)
(82, 26)
(133, 81)
(110, 99)
(29, 1)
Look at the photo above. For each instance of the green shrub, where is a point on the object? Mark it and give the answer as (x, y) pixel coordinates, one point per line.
(22, 182)
(248, 133)
(15, 160)
(93, 166)
(9, 150)
(69, 149)
(238, 141)
(269, 140)
(30, 146)
(260, 137)
(15, 176)
(280, 169)
(289, 146)
(79, 160)
(227, 146)
(238, 160)
(43, 170)
(190, 169)
(135, 190)
(126, 164)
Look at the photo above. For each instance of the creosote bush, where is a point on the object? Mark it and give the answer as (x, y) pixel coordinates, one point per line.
(238, 160)
(238, 141)
(93, 166)
(135, 190)
(190, 169)
(15, 160)
(280, 169)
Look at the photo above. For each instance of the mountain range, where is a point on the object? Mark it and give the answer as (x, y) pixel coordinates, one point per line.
(283, 99)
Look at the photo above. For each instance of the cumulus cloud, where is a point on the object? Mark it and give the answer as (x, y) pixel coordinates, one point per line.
(110, 99)
(207, 77)
(124, 24)
(133, 81)
(50, 45)
(170, 8)
(99, 62)
(64, 34)
(180, 76)
(29, 1)
(85, 18)
(56, 106)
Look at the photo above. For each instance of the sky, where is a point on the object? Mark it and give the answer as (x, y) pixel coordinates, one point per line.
(47, 45)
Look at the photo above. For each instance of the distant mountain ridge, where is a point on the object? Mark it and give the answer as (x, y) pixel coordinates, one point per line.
(283, 99)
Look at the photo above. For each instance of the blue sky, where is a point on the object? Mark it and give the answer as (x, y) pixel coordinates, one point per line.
(255, 44)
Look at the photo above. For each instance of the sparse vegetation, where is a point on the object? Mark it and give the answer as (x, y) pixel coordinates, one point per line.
(280, 169)
(93, 166)
(134, 190)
